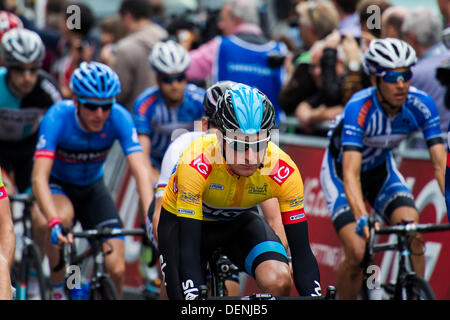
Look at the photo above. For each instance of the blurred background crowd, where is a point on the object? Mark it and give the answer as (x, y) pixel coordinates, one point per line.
(320, 44)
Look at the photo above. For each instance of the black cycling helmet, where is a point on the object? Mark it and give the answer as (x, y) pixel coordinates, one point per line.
(246, 109)
(212, 95)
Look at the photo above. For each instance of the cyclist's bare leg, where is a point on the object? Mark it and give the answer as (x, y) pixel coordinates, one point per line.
(349, 274)
(42, 232)
(417, 253)
(40, 229)
(232, 288)
(274, 277)
(115, 262)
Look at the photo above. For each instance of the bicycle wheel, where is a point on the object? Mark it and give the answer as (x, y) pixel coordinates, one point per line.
(104, 290)
(416, 288)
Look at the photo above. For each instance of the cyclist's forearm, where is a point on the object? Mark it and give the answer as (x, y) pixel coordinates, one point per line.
(41, 190)
(354, 196)
(438, 158)
(304, 264)
(140, 169)
(7, 237)
(351, 170)
(191, 275)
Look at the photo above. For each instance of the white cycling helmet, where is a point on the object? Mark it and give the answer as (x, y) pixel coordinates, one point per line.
(169, 57)
(388, 53)
(21, 46)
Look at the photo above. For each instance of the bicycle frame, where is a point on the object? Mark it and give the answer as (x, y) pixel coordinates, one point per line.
(401, 245)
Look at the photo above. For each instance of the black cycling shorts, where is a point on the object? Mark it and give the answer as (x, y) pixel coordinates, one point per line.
(247, 241)
(93, 204)
(17, 156)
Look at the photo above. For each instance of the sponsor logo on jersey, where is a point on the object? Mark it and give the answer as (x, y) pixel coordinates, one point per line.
(185, 211)
(295, 216)
(281, 172)
(216, 186)
(252, 189)
(202, 165)
(175, 185)
(189, 197)
(297, 202)
(189, 290)
(363, 112)
(142, 110)
(72, 156)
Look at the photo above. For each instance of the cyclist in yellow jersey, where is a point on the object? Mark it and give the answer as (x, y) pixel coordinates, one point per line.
(7, 243)
(210, 201)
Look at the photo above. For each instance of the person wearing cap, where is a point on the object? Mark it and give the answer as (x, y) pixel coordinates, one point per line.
(74, 139)
(163, 112)
(26, 92)
(358, 164)
(211, 201)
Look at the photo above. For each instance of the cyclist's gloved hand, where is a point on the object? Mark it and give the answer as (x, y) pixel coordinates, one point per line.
(360, 224)
(56, 230)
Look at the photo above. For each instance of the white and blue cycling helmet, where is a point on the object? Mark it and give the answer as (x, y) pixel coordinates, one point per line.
(246, 109)
(388, 53)
(95, 80)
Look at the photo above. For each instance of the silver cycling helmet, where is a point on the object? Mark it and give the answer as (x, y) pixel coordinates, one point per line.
(388, 53)
(22, 46)
(169, 57)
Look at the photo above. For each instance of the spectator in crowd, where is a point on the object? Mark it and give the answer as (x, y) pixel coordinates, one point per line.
(371, 25)
(327, 69)
(349, 18)
(242, 54)
(131, 62)
(422, 29)
(112, 31)
(392, 21)
(173, 104)
(316, 21)
(76, 46)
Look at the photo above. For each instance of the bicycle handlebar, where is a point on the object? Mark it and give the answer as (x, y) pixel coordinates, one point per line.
(409, 228)
(22, 197)
(95, 233)
(108, 232)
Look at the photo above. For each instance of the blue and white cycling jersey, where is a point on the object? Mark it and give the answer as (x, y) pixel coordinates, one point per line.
(153, 118)
(365, 126)
(79, 155)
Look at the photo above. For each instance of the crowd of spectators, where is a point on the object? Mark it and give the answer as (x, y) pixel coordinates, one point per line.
(305, 55)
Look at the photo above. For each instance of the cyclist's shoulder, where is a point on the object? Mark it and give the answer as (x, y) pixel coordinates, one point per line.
(64, 108)
(420, 103)
(278, 166)
(359, 98)
(145, 99)
(194, 92)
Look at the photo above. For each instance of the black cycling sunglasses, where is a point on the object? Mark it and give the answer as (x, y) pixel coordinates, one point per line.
(94, 105)
(172, 79)
(242, 146)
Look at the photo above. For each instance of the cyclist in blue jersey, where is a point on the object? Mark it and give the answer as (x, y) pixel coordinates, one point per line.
(173, 104)
(359, 165)
(74, 139)
(26, 92)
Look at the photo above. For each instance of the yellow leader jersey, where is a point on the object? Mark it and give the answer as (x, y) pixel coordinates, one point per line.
(204, 188)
